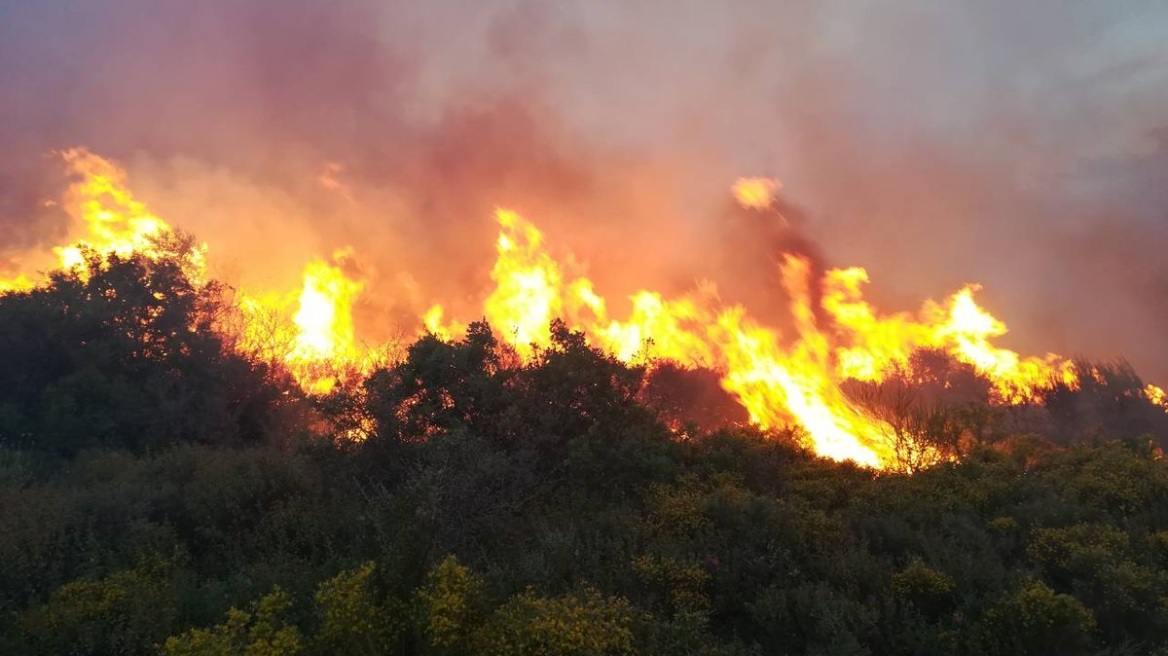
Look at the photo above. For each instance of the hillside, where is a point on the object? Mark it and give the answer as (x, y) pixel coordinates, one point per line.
(161, 492)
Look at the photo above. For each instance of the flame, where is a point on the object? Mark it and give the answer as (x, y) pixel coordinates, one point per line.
(780, 379)
(528, 285)
(325, 316)
(113, 221)
(776, 384)
(18, 283)
(104, 218)
(266, 331)
(433, 324)
(958, 326)
(315, 342)
(310, 331)
(1157, 395)
(324, 321)
(755, 193)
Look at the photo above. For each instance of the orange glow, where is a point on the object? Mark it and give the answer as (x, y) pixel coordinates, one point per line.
(796, 378)
(19, 283)
(432, 321)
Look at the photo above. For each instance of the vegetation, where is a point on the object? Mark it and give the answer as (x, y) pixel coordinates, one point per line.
(162, 494)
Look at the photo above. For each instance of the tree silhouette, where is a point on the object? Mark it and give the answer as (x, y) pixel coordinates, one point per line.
(123, 352)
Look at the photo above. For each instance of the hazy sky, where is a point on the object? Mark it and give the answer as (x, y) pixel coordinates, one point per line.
(1018, 144)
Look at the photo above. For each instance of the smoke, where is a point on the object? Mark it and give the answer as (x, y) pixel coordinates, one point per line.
(1021, 146)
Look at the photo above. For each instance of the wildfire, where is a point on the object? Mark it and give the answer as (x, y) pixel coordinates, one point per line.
(316, 342)
(310, 331)
(114, 221)
(958, 326)
(325, 316)
(105, 217)
(325, 323)
(19, 283)
(780, 379)
(432, 323)
(528, 283)
(756, 193)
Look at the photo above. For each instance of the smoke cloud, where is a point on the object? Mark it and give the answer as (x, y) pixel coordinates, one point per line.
(1018, 145)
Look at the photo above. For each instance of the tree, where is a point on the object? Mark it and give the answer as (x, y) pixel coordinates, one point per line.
(451, 606)
(124, 613)
(1107, 401)
(260, 631)
(691, 397)
(353, 620)
(123, 352)
(1037, 620)
(932, 407)
(439, 387)
(584, 624)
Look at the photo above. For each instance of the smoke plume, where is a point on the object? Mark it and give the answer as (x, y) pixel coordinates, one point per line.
(1021, 146)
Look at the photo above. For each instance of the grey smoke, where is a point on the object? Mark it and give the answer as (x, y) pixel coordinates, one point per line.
(1021, 145)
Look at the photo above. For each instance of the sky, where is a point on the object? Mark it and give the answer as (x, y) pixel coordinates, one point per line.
(1018, 145)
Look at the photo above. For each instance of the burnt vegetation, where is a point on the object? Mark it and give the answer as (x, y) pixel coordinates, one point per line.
(160, 493)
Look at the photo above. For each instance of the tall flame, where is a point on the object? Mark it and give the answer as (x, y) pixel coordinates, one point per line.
(325, 324)
(779, 381)
(776, 384)
(528, 293)
(104, 217)
(325, 317)
(112, 219)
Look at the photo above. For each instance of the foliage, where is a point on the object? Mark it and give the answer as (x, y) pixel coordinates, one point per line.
(353, 620)
(159, 495)
(1109, 402)
(1037, 620)
(123, 613)
(584, 624)
(923, 587)
(123, 353)
(261, 631)
(451, 605)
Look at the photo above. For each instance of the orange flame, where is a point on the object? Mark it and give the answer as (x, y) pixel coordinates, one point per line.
(527, 293)
(778, 381)
(777, 385)
(314, 341)
(114, 220)
(755, 193)
(317, 341)
(19, 283)
(325, 324)
(959, 327)
(105, 218)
